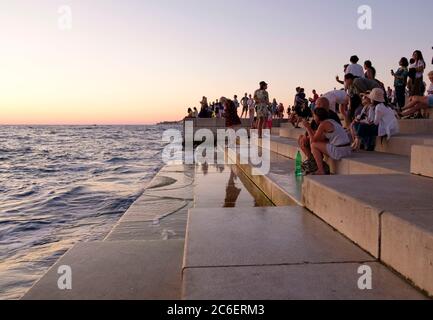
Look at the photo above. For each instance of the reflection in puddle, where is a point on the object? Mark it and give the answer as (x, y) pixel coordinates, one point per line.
(226, 187)
(232, 192)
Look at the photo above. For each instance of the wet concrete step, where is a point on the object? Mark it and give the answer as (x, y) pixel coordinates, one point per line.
(124, 270)
(227, 186)
(279, 184)
(277, 253)
(390, 216)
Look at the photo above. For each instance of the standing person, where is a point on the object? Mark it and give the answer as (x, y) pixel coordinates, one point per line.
(269, 122)
(314, 99)
(281, 111)
(289, 111)
(261, 97)
(355, 68)
(204, 110)
(217, 112)
(418, 84)
(274, 107)
(230, 113)
(203, 103)
(244, 103)
(236, 102)
(338, 78)
(400, 82)
(251, 110)
(370, 71)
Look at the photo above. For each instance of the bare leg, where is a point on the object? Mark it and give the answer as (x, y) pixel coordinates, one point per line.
(261, 124)
(319, 151)
(343, 110)
(415, 104)
(418, 103)
(303, 144)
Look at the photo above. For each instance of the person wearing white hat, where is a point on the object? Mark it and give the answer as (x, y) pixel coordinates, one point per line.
(385, 117)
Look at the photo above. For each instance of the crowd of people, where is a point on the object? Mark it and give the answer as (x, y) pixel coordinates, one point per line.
(337, 122)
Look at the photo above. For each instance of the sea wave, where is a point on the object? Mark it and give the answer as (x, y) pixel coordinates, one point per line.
(65, 184)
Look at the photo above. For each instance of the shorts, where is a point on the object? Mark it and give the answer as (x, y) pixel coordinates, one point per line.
(262, 112)
(338, 153)
(430, 100)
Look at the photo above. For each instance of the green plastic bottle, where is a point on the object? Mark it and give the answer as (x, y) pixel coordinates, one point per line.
(298, 165)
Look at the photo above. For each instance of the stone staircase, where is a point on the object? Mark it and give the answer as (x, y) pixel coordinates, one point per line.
(308, 239)
(378, 201)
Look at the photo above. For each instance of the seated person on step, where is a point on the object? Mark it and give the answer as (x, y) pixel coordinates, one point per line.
(330, 139)
(420, 102)
(304, 140)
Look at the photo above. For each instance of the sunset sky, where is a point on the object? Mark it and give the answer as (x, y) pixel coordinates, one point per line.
(143, 61)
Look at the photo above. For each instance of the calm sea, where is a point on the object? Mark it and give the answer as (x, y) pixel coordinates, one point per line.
(60, 185)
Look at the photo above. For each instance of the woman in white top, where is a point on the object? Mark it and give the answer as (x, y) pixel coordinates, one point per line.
(354, 68)
(385, 118)
(330, 139)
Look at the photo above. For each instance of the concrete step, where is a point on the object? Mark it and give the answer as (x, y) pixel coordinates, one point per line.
(422, 161)
(293, 133)
(402, 144)
(364, 162)
(125, 270)
(416, 126)
(277, 253)
(283, 146)
(359, 163)
(276, 131)
(390, 216)
(279, 184)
